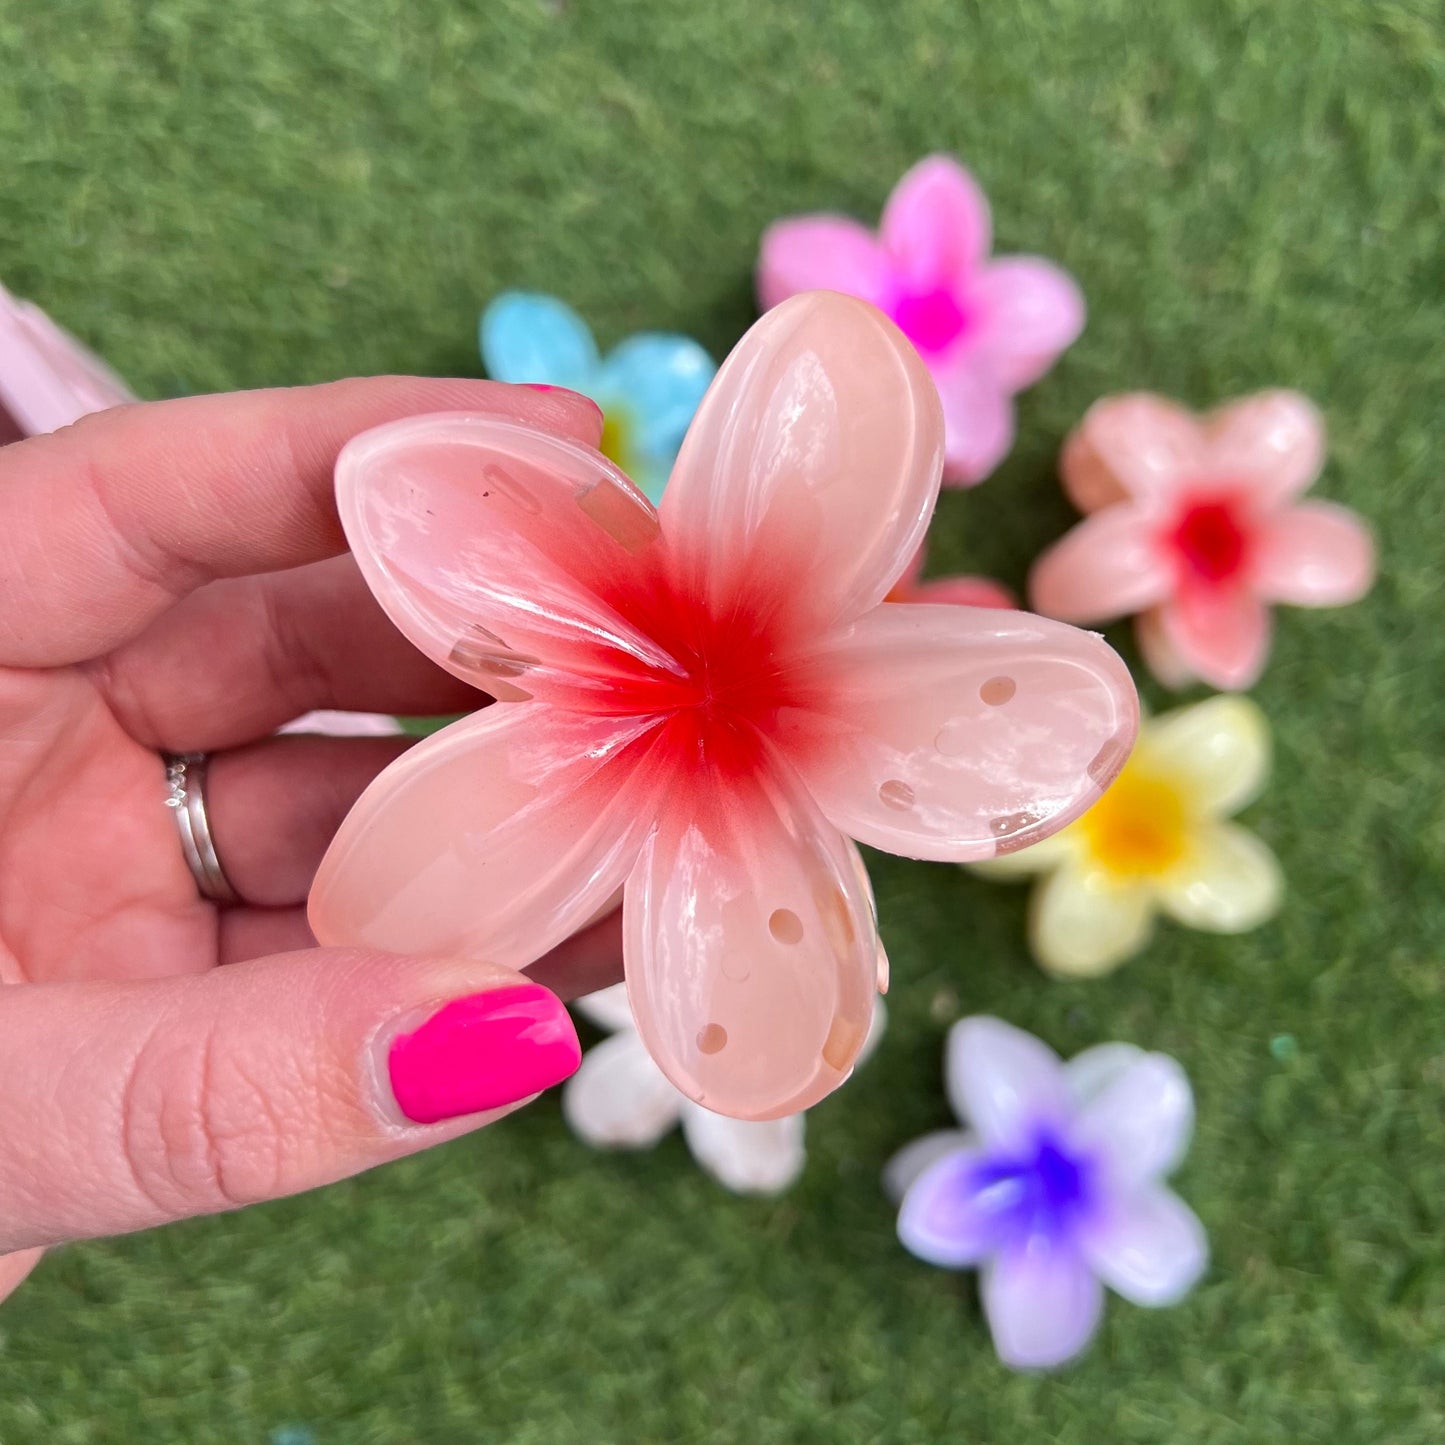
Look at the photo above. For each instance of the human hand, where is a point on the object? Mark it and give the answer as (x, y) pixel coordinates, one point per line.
(173, 578)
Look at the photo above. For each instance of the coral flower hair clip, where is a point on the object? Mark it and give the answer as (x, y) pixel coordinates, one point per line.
(702, 706)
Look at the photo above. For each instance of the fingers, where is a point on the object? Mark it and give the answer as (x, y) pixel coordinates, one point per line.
(131, 1104)
(241, 657)
(275, 806)
(107, 523)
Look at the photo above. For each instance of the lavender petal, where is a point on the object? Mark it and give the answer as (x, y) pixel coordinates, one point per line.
(1043, 1302)
(1002, 1081)
(1150, 1247)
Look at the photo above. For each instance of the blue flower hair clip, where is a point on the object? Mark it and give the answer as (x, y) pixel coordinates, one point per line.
(648, 386)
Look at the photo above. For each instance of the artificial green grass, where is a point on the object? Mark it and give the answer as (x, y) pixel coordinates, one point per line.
(222, 195)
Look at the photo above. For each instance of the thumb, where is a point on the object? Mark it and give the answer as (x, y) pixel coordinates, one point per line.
(130, 1104)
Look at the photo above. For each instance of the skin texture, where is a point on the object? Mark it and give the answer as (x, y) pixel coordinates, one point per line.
(172, 577)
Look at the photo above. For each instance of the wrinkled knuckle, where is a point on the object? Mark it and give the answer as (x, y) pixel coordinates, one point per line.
(198, 1136)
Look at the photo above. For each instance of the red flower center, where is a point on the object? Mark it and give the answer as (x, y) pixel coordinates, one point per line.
(931, 320)
(1210, 539)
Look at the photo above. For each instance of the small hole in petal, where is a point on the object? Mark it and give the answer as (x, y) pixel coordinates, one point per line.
(785, 926)
(998, 690)
(896, 794)
(712, 1039)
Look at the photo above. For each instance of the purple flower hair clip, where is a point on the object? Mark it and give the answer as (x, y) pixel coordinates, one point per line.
(1056, 1189)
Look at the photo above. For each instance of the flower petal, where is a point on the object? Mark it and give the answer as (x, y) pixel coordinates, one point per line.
(936, 227)
(618, 1098)
(1157, 650)
(1138, 445)
(661, 379)
(820, 253)
(1002, 1081)
(1042, 1301)
(1029, 312)
(1082, 923)
(1220, 635)
(945, 1218)
(1273, 441)
(810, 471)
(506, 555)
(1138, 1123)
(1229, 883)
(531, 337)
(1089, 1073)
(1108, 566)
(748, 1156)
(1150, 1248)
(1218, 749)
(608, 1009)
(48, 379)
(978, 420)
(909, 1163)
(494, 839)
(750, 945)
(1314, 555)
(956, 733)
(964, 592)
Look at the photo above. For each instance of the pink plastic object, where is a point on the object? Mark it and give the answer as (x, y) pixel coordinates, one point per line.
(47, 378)
(1197, 528)
(986, 326)
(961, 591)
(697, 706)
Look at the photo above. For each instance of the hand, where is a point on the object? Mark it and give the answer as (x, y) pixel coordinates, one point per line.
(173, 578)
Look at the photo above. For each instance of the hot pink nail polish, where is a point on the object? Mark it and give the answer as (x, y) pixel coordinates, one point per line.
(482, 1052)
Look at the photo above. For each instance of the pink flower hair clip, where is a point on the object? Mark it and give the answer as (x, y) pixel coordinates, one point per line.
(702, 706)
(1196, 527)
(987, 327)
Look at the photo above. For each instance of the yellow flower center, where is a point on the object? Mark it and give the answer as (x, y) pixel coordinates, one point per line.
(1139, 827)
(616, 443)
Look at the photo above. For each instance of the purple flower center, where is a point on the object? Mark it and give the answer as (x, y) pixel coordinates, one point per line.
(931, 320)
(1043, 1192)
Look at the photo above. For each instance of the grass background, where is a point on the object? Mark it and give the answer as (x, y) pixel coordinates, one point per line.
(223, 195)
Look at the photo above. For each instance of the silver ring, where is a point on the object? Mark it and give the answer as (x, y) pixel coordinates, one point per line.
(186, 798)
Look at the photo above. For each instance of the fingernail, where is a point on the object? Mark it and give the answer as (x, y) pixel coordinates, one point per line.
(482, 1052)
(563, 391)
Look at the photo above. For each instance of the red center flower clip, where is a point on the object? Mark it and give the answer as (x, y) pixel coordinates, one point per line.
(702, 706)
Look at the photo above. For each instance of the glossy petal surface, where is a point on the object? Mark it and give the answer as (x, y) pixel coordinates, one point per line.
(1002, 1082)
(1314, 555)
(979, 419)
(1230, 882)
(1082, 923)
(921, 726)
(499, 551)
(494, 839)
(946, 1218)
(936, 227)
(1042, 1301)
(909, 1163)
(1219, 749)
(1029, 312)
(1150, 1248)
(748, 1156)
(1138, 1123)
(528, 337)
(751, 948)
(820, 253)
(1221, 636)
(1274, 441)
(1137, 445)
(809, 474)
(1108, 566)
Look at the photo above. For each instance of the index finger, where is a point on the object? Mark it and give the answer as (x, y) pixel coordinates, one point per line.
(107, 523)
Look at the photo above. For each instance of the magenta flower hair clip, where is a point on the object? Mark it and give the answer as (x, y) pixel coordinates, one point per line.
(1196, 526)
(702, 706)
(1055, 1188)
(987, 327)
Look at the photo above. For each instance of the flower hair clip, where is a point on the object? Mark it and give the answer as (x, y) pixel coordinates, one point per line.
(703, 706)
(986, 326)
(1195, 526)
(1054, 1188)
